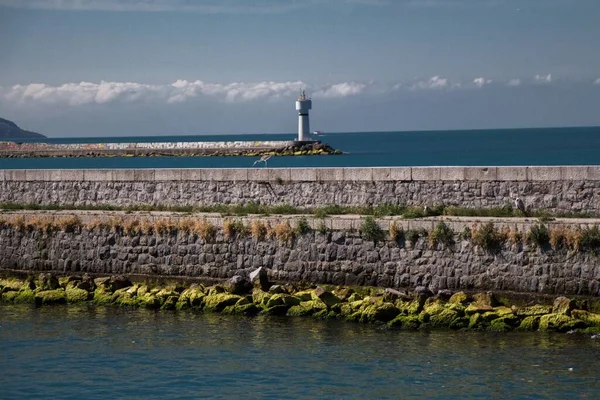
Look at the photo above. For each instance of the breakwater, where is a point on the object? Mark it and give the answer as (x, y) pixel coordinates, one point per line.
(553, 189)
(520, 255)
(154, 149)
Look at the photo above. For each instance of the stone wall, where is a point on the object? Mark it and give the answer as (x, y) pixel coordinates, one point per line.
(556, 189)
(334, 257)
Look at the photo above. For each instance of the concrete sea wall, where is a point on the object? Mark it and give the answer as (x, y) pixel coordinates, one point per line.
(555, 189)
(341, 255)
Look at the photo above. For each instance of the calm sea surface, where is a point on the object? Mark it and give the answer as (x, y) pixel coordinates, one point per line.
(83, 352)
(556, 146)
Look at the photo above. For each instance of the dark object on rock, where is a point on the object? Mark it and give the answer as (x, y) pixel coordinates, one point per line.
(277, 289)
(422, 291)
(326, 296)
(48, 281)
(444, 294)
(260, 279)
(87, 283)
(119, 282)
(238, 285)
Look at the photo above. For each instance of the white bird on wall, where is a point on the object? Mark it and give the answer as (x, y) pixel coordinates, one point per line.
(520, 205)
(264, 159)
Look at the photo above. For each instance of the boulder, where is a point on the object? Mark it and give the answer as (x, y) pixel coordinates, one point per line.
(563, 305)
(459, 298)
(119, 282)
(50, 297)
(48, 281)
(260, 278)
(390, 294)
(533, 310)
(486, 299)
(86, 283)
(218, 302)
(444, 294)
(560, 323)
(381, 312)
(76, 295)
(276, 289)
(343, 293)
(328, 298)
(238, 285)
(422, 291)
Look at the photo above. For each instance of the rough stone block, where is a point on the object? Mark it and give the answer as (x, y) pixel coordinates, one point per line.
(428, 225)
(97, 175)
(1, 175)
(481, 173)
(358, 174)
(123, 175)
(330, 174)
(279, 174)
(400, 174)
(236, 174)
(382, 174)
(452, 173)
(73, 175)
(426, 173)
(574, 173)
(144, 175)
(18, 175)
(171, 174)
(303, 174)
(594, 173)
(511, 174)
(258, 174)
(544, 173)
(34, 175)
(213, 174)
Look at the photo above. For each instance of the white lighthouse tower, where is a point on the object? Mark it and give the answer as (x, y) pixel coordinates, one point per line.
(302, 106)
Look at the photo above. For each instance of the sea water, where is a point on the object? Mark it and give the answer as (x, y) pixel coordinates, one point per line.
(555, 146)
(92, 352)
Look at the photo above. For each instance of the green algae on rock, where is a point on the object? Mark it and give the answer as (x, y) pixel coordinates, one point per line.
(460, 311)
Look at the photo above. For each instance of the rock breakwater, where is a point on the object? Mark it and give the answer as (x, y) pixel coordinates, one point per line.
(418, 309)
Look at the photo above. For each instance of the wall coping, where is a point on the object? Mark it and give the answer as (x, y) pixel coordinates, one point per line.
(346, 174)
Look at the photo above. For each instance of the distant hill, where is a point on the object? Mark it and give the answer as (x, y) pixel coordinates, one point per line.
(10, 130)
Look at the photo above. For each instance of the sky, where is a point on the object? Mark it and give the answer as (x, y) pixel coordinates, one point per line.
(72, 68)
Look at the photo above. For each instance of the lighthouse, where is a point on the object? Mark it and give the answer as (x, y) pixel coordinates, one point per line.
(303, 104)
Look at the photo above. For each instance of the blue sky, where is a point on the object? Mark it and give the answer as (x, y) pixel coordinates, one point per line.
(160, 67)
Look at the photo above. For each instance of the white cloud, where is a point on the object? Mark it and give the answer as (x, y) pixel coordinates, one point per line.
(543, 78)
(340, 90)
(514, 82)
(597, 81)
(77, 94)
(481, 82)
(435, 82)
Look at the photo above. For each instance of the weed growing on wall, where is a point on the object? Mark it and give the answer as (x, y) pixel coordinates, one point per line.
(205, 230)
(396, 232)
(487, 237)
(258, 230)
(413, 235)
(441, 234)
(302, 226)
(284, 232)
(370, 229)
(538, 235)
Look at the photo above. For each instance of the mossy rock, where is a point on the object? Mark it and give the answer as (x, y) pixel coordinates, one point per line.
(260, 297)
(278, 309)
(170, 303)
(282, 299)
(478, 308)
(9, 296)
(448, 318)
(50, 297)
(477, 322)
(191, 298)
(102, 296)
(299, 311)
(305, 295)
(383, 312)
(534, 310)
(411, 308)
(12, 284)
(75, 295)
(592, 319)
(241, 309)
(409, 322)
(217, 289)
(325, 314)
(499, 325)
(343, 293)
(26, 296)
(560, 323)
(149, 300)
(306, 308)
(459, 298)
(354, 297)
(563, 305)
(530, 323)
(434, 307)
(217, 302)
